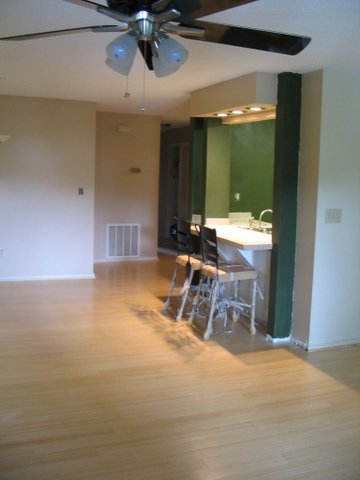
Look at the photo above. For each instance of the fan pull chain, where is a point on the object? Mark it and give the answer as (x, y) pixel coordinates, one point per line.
(127, 93)
(143, 108)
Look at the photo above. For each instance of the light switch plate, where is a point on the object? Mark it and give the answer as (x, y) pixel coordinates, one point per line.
(333, 215)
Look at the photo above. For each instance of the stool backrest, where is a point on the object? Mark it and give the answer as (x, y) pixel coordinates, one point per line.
(187, 242)
(183, 236)
(208, 243)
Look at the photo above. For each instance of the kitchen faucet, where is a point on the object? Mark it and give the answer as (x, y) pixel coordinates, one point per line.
(261, 215)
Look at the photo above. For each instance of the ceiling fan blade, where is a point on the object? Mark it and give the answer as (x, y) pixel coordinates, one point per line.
(85, 3)
(202, 8)
(109, 12)
(53, 33)
(128, 7)
(249, 38)
(183, 31)
(160, 5)
(146, 52)
(121, 27)
(184, 6)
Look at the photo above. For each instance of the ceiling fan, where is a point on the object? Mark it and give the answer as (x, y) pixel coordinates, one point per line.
(148, 24)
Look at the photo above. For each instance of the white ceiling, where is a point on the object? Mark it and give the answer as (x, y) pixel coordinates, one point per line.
(72, 66)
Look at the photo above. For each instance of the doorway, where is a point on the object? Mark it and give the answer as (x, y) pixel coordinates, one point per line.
(173, 192)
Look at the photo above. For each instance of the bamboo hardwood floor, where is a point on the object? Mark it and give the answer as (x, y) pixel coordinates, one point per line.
(96, 384)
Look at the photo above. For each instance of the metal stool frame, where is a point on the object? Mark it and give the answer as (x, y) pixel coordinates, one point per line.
(215, 277)
(188, 258)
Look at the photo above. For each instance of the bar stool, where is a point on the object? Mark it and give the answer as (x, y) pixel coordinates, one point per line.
(217, 278)
(189, 258)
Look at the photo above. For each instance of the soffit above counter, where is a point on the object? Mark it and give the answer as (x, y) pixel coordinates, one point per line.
(239, 93)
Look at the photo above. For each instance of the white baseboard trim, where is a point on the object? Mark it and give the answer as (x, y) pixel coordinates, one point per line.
(121, 260)
(47, 277)
(337, 344)
(300, 344)
(278, 340)
(311, 348)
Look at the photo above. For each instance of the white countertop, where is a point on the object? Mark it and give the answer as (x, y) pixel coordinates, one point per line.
(243, 238)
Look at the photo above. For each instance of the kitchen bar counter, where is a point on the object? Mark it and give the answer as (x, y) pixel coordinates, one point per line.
(243, 238)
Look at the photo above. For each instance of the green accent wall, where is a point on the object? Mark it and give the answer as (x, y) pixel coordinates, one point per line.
(252, 167)
(239, 159)
(232, 159)
(218, 169)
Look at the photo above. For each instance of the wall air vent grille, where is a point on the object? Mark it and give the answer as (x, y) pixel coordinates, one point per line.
(123, 240)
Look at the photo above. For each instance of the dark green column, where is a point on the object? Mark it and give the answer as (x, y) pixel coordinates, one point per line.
(287, 146)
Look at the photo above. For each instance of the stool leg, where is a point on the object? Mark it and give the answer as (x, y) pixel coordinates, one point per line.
(253, 305)
(214, 293)
(235, 313)
(172, 286)
(196, 300)
(185, 294)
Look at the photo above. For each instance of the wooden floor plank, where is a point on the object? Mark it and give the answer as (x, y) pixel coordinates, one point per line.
(97, 384)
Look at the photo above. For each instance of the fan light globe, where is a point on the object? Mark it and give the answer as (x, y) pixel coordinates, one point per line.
(172, 53)
(123, 69)
(121, 53)
(162, 70)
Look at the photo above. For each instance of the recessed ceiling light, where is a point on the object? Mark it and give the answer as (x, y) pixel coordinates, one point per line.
(238, 112)
(221, 114)
(255, 109)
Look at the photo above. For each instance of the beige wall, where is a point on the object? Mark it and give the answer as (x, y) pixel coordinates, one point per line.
(122, 196)
(46, 227)
(327, 279)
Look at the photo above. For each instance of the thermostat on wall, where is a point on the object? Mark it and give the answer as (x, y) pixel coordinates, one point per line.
(123, 128)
